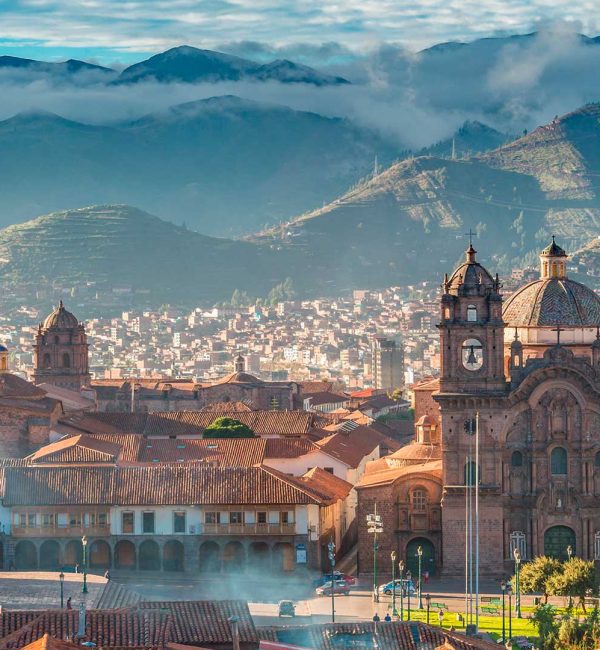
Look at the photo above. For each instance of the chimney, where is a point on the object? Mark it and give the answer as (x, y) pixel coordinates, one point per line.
(235, 632)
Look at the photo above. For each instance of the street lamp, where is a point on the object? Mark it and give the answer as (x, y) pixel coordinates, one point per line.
(408, 584)
(61, 577)
(331, 554)
(428, 601)
(509, 592)
(401, 567)
(420, 555)
(517, 557)
(570, 555)
(393, 556)
(84, 542)
(503, 587)
(375, 527)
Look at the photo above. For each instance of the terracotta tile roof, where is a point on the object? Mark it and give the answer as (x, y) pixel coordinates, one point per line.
(327, 483)
(226, 407)
(180, 423)
(326, 397)
(49, 643)
(314, 386)
(288, 447)
(352, 446)
(242, 452)
(181, 484)
(77, 449)
(378, 475)
(13, 386)
(199, 622)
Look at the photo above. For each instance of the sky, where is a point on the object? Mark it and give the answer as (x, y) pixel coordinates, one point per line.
(125, 31)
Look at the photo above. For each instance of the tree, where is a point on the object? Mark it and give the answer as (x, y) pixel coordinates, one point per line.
(544, 621)
(534, 575)
(227, 428)
(576, 579)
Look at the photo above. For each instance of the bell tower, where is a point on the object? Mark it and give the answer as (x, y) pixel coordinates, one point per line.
(61, 351)
(471, 330)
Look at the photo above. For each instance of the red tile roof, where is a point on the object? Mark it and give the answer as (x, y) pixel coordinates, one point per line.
(352, 446)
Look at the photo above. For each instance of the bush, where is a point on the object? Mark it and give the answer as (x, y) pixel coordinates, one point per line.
(228, 428)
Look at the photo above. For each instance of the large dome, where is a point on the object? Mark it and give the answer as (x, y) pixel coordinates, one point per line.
(552, 301)
(60, 318)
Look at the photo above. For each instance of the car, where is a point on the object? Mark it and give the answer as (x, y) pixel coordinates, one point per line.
(286, 608)
(406, 585)
(340, 587)
(337, 575)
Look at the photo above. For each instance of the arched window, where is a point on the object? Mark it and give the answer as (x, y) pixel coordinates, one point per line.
(47, 363)
(471, 473)
(558, 461)
(56, 340)
(447, 313)
(419, 500)
(516, 459)
(471, 313)
(597, 459)
(66, 360)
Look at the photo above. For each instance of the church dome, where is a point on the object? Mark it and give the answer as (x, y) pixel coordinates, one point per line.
(60, 318)
(552, 301)
(470, 274)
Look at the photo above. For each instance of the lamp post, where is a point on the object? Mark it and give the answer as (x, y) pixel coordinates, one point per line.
(503, 588)
(84, 542)
(61, 577)
(517, 557)
(428, 601)
(331, 554)
(408, 597)
(401, 568)
(570, 555)
(375, 527)
(420, 556)
(509, 592)
(393, 556)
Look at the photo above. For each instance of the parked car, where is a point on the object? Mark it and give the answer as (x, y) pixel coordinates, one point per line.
(339, 587)
(337, 575)
(287, 608)
(406, 585)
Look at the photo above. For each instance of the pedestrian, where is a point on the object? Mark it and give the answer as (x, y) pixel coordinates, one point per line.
(376, 618)
(69, 606)
(426, 577)
(388, 618)
(77, 567)
(107, 574)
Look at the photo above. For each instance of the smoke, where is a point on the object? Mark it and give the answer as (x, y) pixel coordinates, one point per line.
(415, 99)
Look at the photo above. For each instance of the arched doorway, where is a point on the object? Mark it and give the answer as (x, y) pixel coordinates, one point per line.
(283, 557)
(427, 559)
(125, 555)
(209, 557)
(149, 556)
(173, 556)
(234, 557)
(73, 553)
(50, 555)
(26, 556)
(259, 557)
(556, 541)
(99, 555)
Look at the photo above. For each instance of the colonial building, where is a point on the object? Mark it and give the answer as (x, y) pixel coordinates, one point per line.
(61, 351)
(527, 378)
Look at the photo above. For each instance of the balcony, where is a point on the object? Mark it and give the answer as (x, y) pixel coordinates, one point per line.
(248, 529)
(60, 531)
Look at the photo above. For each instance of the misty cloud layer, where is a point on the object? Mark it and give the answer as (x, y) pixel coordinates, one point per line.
(417, 99)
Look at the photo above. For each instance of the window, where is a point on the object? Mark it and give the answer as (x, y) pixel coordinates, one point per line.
(236, 517)
(48, 520)
(597, 460)
(66, 360)
(471, 473)
(471, 313)
(179, 522)
(102, 519)
(328, 469)
(21, 519)
(56, 340)
(31, 520)
(75, 520)
(516, 460)
(558, 461)
(419, 500)
(261, 517)
(212, 517)
(518, 542)
(147, 522)
(127, 523)
(47, 363)
(284, 517)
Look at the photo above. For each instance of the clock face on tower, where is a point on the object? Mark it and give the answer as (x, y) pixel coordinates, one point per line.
(472, 354)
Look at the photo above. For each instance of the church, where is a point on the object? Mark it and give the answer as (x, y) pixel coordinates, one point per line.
(525, 373)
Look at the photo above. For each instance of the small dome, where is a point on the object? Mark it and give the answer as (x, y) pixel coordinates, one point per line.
(552, 301)
(415, 453)
(60, 318)
(3, 348)
(470, 274)
(553, 250)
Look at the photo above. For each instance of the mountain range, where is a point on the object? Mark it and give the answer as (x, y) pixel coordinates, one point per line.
(183, 64)
(224, 165)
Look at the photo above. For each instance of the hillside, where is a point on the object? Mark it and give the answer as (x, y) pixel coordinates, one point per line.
(407, 223)
(223, 165)
(119, 246)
